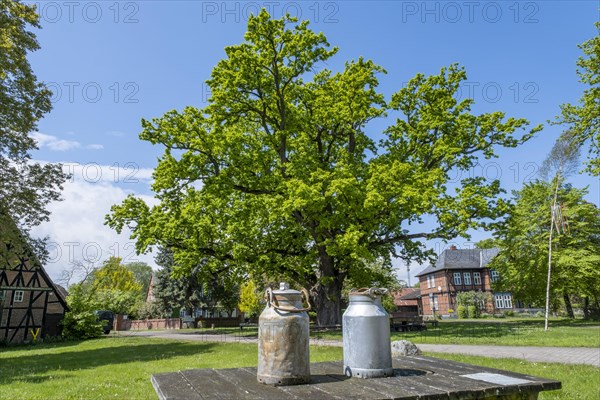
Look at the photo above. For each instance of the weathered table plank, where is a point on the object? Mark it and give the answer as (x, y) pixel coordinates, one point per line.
(415, 378)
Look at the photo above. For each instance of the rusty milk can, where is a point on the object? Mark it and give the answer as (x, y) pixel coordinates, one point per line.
(283, 338)
(366, 335)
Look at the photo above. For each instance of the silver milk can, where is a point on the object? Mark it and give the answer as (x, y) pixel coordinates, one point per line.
(366, 335)
(283, 338)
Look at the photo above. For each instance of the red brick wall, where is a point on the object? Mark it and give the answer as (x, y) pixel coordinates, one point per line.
(143, 324)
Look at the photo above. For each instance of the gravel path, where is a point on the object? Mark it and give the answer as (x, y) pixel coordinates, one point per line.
(565, 355)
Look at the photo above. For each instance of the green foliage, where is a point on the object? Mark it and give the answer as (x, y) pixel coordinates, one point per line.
(462, 312)
(474, 299)
(523, 240)
(387, 301)
(250, 299)
(583, 119)
(215, 291)
(115, 288)
(152, 310)
(142, 273)
(26, 187)
(174, 293)
(277, 176)
(473, 312)
(80, 322)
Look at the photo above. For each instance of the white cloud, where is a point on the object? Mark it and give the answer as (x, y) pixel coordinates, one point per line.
(76, 228)
(54, 143)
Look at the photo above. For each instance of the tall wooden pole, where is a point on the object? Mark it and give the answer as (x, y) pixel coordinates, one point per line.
(550, 251)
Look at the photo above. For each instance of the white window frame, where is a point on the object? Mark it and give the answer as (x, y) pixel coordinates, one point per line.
(503, 300)
(494, 275)
(432, 280)
(436, 306)
(467, 278)
(457, 279)
(18, 296)
(428, 282)
(477, 278)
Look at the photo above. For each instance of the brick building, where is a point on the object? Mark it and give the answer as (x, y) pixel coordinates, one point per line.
(460, 270)
(31, 305)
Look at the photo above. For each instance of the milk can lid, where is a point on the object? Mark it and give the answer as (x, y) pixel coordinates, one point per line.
(284, 288)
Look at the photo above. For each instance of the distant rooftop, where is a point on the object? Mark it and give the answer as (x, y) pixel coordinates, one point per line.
(461, 259)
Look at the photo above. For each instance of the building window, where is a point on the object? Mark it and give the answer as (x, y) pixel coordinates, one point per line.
(495, 275)
(477, 278)
(503, 300)
(436, 307)
(457, 279)
(430, 281)
(467, 276)
(1, 296)
(18, 296)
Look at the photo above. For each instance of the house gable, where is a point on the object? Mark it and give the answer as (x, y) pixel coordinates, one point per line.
(27, 290)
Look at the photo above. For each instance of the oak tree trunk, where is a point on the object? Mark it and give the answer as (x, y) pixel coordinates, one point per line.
(327, 294)
(586, 308)
(568, 305)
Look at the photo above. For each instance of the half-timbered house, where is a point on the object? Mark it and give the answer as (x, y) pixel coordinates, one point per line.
(31, 305)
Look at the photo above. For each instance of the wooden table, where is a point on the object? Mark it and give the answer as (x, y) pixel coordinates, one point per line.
(415, 377)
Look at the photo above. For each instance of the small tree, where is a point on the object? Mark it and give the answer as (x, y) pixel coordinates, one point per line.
(80, 321)
(473, 299)
(250, 300)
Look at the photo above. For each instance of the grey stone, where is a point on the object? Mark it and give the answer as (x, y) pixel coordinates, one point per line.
(402, 348)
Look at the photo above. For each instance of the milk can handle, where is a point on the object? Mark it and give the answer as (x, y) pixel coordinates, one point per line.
(371, 292)
(271, 301)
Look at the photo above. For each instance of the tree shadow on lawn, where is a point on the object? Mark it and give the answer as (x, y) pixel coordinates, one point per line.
(477, 331)
(30, 368)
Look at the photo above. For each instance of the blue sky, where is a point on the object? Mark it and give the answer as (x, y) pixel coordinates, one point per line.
(111, 63)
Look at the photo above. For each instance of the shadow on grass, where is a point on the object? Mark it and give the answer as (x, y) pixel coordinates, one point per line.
(31, 368)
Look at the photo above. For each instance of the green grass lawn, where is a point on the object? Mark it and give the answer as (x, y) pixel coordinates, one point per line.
(120, 368)
(507, 332)
(115, 368)
(579, 382)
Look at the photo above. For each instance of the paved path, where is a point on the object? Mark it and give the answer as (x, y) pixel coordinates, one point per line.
(565, 355)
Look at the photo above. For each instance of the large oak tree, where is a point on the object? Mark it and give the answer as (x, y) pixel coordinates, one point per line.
(278, 176)
(26, 187)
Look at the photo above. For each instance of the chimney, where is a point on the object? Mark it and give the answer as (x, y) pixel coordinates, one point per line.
(453, 247)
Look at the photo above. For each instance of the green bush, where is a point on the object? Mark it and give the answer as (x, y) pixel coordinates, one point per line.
(540, 314)
(462, 312)
(81, 321)
(473, 311)
(509, 313)
(81, 325)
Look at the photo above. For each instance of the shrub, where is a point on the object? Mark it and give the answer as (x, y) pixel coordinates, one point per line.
(540, 314)
(462, 312)
(473, 311)
(81, 321)
(81, 325)
(509, 313)
(450, 311)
